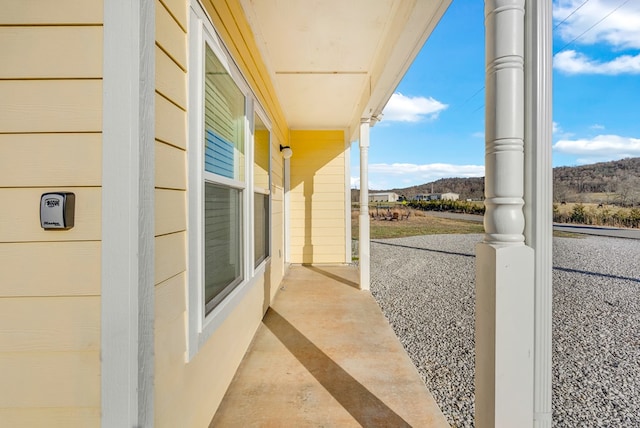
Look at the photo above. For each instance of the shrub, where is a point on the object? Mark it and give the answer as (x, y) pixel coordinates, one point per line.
(578, 215)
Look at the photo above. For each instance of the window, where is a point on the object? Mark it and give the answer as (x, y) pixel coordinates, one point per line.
(229, 183)
(224, 123)
(261, 183)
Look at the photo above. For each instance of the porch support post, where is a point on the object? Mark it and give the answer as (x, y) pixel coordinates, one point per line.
(128, 185)
(364, 237)
(504, 264)
(538, 193)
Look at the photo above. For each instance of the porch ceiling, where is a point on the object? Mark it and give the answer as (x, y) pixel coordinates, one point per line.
(335, 61)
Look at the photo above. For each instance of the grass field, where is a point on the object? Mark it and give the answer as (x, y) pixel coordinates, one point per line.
(421, 223)
(418, 223)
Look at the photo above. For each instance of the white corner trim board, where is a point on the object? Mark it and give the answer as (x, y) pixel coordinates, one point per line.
(128, 171)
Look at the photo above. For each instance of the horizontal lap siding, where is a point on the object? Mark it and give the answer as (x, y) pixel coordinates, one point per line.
(43, 106)
(50, 140)
(187, 394)
(170, 206)
(76, 265)
(318, 229)
(42, 160)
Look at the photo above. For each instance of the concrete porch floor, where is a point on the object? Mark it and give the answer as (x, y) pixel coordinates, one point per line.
(325, 356)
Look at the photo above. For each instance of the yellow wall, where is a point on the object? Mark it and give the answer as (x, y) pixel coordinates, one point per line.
(188, 394)
(318, 230)
(51, 68)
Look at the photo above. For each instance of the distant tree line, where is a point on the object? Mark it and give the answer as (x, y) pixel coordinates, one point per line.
(600, 216)
(617, 182)
(614, 182)
(451, 206)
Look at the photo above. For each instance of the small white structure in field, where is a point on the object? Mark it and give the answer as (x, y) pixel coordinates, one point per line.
(383, 197)
(438, 196)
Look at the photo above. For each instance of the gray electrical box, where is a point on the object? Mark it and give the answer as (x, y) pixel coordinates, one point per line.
(57, 210)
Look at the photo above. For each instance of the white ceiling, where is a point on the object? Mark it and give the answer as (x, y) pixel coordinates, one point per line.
(335, 61)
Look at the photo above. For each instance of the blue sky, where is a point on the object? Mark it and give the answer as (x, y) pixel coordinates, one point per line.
(433, 126)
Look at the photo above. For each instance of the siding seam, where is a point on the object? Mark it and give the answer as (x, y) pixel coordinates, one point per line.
(170, 100)
(173, 16)
(159, 46)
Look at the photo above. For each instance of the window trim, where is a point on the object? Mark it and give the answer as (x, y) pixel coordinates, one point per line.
(201, 327)
(258, 111)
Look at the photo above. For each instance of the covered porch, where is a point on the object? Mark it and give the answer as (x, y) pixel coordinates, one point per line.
(325, 355)
(341, 80)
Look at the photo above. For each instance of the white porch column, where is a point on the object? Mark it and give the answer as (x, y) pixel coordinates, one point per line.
(538, 193)
(504, 264)
(128, 219)
(364, 237)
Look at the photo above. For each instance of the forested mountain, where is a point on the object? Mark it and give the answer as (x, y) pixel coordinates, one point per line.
(619, 180)
(614, 181)
(467, 188)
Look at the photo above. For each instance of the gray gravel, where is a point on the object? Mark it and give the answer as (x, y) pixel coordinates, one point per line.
(425, 287)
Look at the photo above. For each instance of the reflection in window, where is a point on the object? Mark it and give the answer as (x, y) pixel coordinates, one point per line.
(224, 118)
(223, 121)
(222, 242)
(261, 153)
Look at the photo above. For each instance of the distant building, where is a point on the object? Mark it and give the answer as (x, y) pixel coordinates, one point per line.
(437, 196)
(383, 197)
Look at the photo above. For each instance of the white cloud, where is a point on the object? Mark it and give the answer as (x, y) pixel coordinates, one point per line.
(434, 169)
(558, 132)
(401, 108)
(479, 134)
(399, 175)
(572, 62)
(621, 29)
(596, 126)
(600, 148)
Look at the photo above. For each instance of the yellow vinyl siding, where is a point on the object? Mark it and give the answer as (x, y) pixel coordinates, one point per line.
(50, 140)
(63, 380)
(171, 80)
(187, 394)
(317, 197)
(50, 106)
(47, 12)
(171, 123)
(46, 52)
(171, 256)
(50, 417)
(171, 164)
(170, 206)
(73, 328)
(178, 11)
(170, 36)
(77, 267)
(42, 160)
(170, 203)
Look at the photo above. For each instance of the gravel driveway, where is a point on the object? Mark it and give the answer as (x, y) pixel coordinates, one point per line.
(425, 287)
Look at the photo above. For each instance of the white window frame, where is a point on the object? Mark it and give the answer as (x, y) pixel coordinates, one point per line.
(201, 327)
(257, 110)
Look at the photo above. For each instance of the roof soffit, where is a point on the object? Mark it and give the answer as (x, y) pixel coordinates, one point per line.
(327, 58)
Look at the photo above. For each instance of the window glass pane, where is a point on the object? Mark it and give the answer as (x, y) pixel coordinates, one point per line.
(261, 227)
(222, 242)
(224, 114)
(261, 154)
